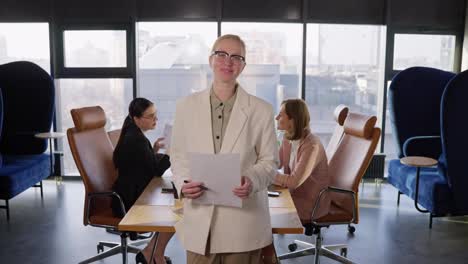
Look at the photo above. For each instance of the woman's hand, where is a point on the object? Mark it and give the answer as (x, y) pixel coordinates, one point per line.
(245, 189)
(280, 180)
(192, 189)
(158, 144)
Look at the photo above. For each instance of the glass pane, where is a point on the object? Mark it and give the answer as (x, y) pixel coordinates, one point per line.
(345, 65)
(437, 51)
(390, 147)
(113, 95)
(173, 62)
(25, 42)
(95, 48)
(274, 59)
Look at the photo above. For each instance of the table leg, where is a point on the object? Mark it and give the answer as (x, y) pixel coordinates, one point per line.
(417, 192)
(58, 178)
(154, 247)
(50, 157)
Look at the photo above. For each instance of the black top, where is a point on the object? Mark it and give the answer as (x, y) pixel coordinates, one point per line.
(136, 164)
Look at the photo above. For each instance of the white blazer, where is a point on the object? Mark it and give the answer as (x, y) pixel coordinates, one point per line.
(251, 133)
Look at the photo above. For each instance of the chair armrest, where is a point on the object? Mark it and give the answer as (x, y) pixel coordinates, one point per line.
(91, 196)
(337, 190)
(427, 146)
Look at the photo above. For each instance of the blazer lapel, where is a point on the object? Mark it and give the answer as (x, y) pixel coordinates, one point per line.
(237, 121)
(204, 127)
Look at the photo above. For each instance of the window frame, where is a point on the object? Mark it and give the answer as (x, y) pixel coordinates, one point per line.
(94, 72)
(389, 57)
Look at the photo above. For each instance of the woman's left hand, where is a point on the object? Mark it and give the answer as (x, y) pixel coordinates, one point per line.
(245, 189)
(158, 145)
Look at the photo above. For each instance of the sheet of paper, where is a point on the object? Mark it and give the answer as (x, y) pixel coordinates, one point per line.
(220, 173)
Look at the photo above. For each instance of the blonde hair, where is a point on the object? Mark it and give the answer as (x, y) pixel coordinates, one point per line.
(232, 37)
(297, 110)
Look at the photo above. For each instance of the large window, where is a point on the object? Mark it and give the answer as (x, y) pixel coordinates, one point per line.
(93, 70)
(113, 95)
(345, 65)
(274, 59)
(25, 41)
(436, 51)
(172, 63)
(95, 48)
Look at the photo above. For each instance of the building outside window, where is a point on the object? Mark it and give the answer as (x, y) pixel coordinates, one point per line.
(345, 65)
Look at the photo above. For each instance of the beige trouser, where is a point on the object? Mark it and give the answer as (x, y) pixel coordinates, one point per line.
(249, 257)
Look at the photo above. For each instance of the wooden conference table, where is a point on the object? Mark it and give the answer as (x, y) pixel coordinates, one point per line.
(158, 212)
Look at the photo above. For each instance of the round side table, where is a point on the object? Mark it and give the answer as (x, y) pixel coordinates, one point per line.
(50, 136)
(418, 162)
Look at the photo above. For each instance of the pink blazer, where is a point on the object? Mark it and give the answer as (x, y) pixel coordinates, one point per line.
(307, 176)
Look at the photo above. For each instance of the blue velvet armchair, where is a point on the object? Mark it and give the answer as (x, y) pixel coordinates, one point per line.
(1, 123)
(423, 101)
(28, 107)
(454, 127)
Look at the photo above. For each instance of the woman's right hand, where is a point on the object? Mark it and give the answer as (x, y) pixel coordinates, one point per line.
(158, 144)
(192, 189)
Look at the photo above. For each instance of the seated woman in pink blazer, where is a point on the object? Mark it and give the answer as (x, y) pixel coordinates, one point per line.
(304, 162)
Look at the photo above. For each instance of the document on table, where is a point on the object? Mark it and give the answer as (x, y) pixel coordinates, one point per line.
(220, 173)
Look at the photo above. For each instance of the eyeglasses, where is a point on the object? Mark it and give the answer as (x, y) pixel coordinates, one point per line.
(151, 116)
(224, 56)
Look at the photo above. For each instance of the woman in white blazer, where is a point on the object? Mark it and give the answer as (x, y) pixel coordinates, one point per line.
(221, 234)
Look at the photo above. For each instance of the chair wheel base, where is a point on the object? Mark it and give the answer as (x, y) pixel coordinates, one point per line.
(344, 252)
(292, 247)
(351, 229)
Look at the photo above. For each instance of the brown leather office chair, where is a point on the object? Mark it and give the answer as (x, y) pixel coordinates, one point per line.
(340, 114)
(92, 151)
(346, 168)
(341, 111)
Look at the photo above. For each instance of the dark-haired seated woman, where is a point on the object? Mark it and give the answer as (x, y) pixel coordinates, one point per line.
(137, 162)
